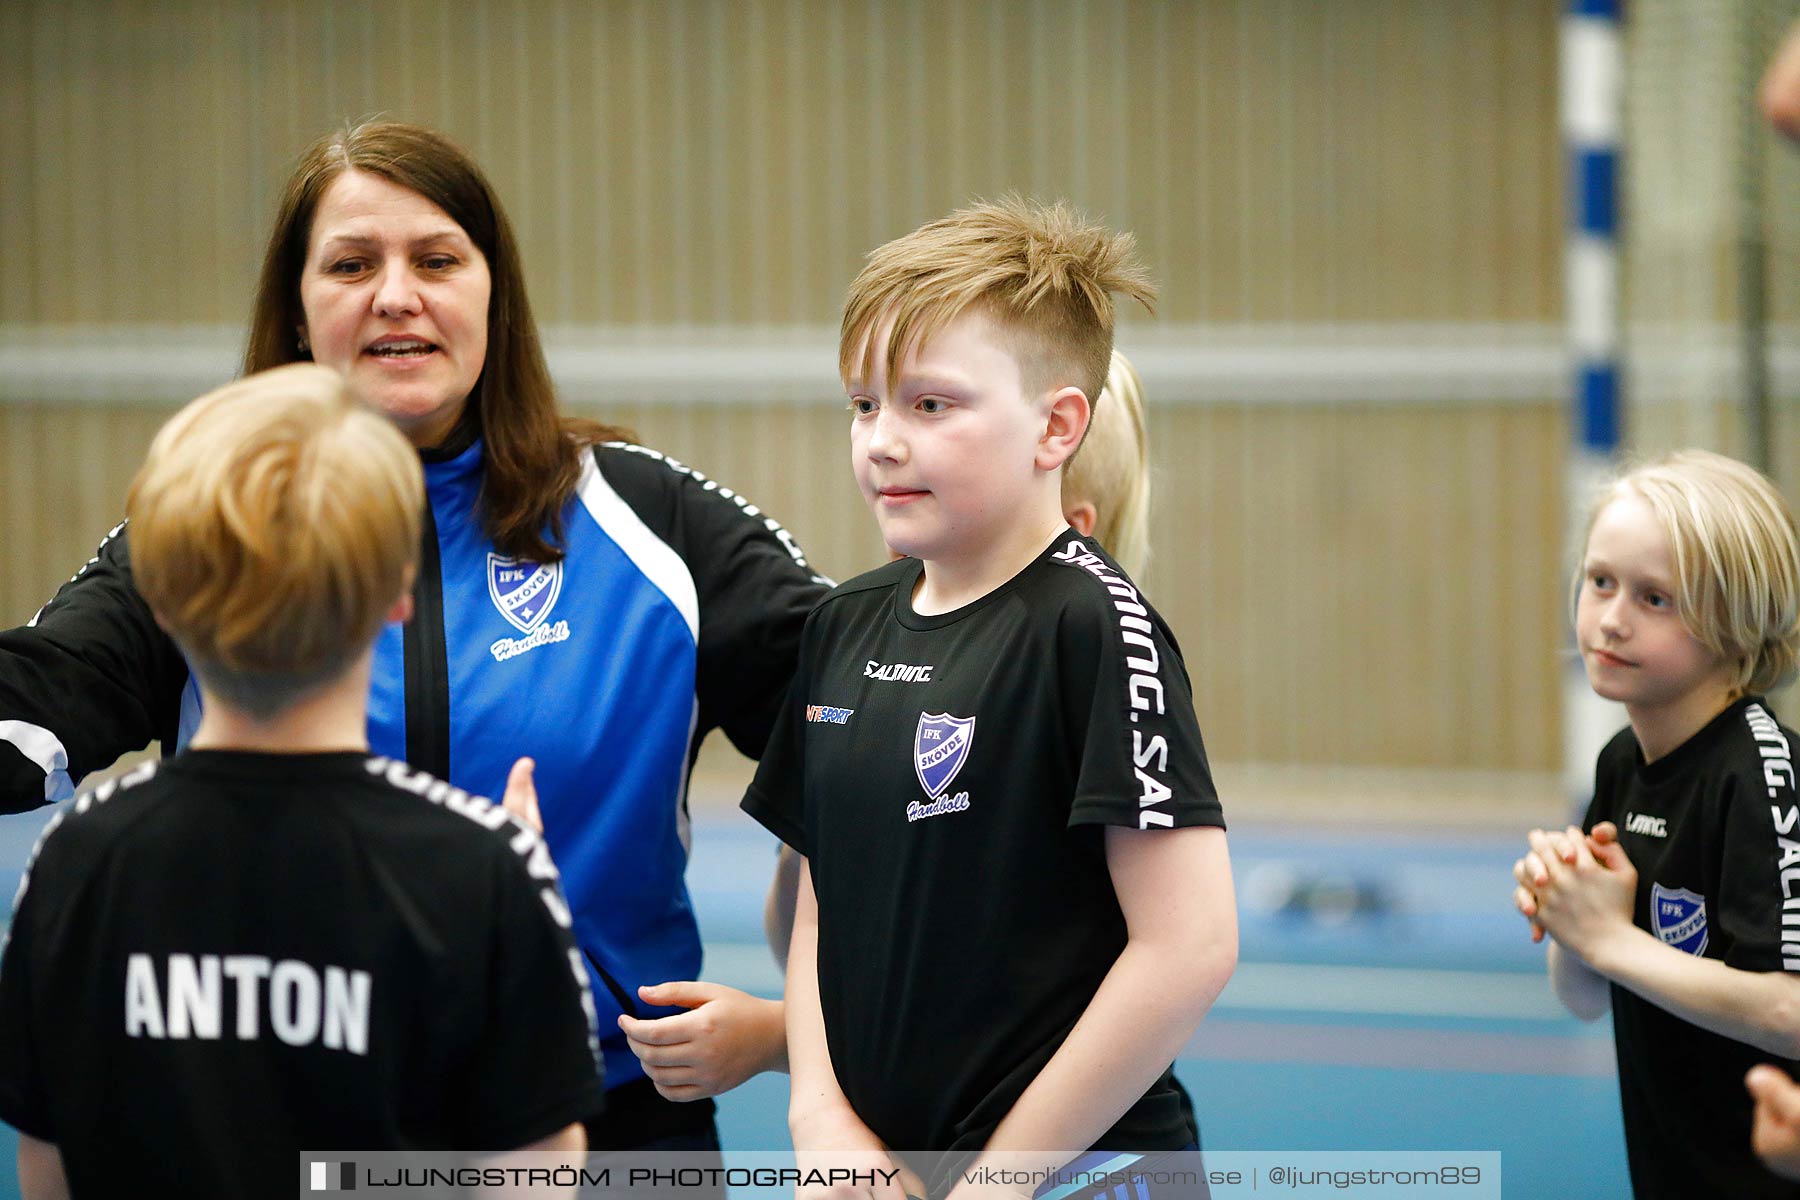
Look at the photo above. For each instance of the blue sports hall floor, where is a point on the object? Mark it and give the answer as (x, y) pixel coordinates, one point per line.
(1388, 999)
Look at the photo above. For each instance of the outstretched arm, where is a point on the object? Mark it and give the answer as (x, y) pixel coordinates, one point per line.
(90, 678)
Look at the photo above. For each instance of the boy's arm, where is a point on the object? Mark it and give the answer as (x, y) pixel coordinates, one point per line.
(726, 1036)
(819, 1115)
(1174, 888)
(1583, 992)
(827, 1132)
(723, 1038)
(41, 1174)
(1760, 1008)
(778, 907)
(1586, 902)
(569, 1144)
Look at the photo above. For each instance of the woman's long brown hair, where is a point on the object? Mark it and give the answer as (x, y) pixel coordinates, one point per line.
(530, 464)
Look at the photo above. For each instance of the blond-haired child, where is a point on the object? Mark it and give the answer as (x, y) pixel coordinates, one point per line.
(1106, 485)
(727, 1036)
(274, 942)
(1016, 901)
(1677, 904)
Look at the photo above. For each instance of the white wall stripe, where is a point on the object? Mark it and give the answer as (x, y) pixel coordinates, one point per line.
(1213, 364)
(653, 556)
(738, 365)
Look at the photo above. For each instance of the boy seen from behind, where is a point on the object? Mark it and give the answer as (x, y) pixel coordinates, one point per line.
(1016, 902)
(274, 942)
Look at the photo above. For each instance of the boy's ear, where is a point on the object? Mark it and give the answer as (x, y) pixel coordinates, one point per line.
(402, 607)
(1082, 517)
(1064, 427)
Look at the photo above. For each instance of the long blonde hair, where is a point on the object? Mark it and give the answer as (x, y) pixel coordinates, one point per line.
(1111, 471)
(1736, 557)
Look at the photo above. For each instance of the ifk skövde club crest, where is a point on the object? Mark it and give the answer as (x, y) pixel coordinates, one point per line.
(524, 592)
(940, 747)
(1678, 917)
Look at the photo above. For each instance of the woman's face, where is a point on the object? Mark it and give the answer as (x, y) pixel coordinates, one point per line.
(396, 297)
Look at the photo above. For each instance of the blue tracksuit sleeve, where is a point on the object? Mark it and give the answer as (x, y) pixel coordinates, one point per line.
(751, 579)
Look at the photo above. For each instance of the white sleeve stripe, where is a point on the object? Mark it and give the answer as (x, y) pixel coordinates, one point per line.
(650, 554)
(684, 821)
(46, 750)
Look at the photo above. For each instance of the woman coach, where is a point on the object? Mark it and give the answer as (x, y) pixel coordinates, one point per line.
(582, 601)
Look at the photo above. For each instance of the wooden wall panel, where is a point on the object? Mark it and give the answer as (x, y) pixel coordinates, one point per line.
(1353, 583)
(709, 161)
(1364, 585)
(1367, 585)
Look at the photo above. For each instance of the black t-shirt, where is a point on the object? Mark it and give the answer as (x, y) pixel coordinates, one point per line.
(220, 963)
(1709, 827)
(948, 777)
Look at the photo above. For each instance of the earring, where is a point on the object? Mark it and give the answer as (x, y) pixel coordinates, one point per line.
(300, 340)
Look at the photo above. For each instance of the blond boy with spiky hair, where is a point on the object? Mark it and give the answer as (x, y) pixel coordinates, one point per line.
(1016, 903)
(274, 942)
(727, 1036)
